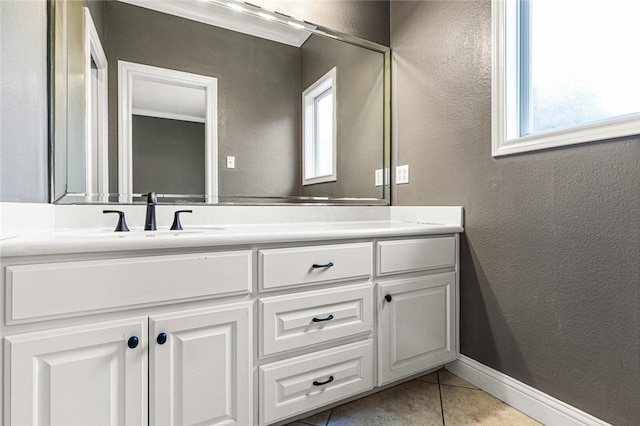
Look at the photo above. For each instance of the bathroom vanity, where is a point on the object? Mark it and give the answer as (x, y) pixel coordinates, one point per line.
(249, 315)
(233, 324)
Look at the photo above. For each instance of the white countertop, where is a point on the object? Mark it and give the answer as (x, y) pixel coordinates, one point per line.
(46, 229)
(67, 241)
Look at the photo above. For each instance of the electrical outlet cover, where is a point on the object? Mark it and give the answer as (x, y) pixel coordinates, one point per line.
(402, 174)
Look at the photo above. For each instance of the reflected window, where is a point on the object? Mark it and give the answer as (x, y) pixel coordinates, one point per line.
(319, 130)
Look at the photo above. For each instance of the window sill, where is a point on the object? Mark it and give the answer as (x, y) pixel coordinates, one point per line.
(597, 131)
(319, 179)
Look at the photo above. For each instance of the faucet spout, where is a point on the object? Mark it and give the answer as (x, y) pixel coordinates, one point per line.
(150, 220)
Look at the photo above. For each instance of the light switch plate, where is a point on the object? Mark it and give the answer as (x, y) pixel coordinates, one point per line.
(379, 177)
(402, 174)
(231, 162)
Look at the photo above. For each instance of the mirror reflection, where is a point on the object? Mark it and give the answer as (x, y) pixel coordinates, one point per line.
(167, 138)
(165, 97)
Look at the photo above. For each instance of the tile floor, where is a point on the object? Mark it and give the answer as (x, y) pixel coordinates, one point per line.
(439, 398)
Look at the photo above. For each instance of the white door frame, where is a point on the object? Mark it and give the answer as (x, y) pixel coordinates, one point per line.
(128, 72)
(93, 51)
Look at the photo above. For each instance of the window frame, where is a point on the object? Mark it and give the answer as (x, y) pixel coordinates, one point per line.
(506, 102)
(319, 89)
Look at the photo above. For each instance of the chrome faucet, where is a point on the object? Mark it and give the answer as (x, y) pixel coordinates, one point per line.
(150, 221)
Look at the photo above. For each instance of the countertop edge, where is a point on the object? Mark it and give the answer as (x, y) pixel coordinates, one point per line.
(24, 247)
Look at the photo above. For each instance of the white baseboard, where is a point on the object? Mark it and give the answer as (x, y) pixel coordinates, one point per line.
(534, 403)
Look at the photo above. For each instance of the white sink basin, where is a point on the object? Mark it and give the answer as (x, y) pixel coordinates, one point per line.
(137, 233)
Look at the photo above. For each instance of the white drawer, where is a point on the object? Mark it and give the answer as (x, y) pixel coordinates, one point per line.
(416, 255)
(295, 266)
(294, 321)
(295, 385)
(67, 288)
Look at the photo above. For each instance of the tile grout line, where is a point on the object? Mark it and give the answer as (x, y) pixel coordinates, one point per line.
(440, 395)
(458, 386)
(329, 418)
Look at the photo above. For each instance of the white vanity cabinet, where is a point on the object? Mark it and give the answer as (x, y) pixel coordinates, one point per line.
(417, 302)
(199, 371)
(153, 364)
(414, 300)
(313, 320)
(253, 335)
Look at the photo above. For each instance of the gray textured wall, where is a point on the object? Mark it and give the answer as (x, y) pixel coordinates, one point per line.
(23, 101)
(168, 156)
(550, 284)
(367, 19)
(96, 8)
(360, 123)
(258, 92)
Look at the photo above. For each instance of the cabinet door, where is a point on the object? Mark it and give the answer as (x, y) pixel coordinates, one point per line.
(84, 375)
(416, 328)
(201, 374)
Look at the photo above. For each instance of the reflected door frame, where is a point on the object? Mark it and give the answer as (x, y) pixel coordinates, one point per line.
(128, 72)
(96, 112)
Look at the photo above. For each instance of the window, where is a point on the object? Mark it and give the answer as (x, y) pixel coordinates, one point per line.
(319, 130)
(564, 72)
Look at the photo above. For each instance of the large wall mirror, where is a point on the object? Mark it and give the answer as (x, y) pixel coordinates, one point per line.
(205, 101)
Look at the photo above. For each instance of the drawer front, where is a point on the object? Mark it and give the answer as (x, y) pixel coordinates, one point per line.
(294, 321)
(68, 288)
(300, 384)
(416, 255)
(294, 266)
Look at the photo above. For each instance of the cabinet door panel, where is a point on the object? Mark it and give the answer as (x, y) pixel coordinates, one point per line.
(201, 375)
(417, 326)
(78, 376)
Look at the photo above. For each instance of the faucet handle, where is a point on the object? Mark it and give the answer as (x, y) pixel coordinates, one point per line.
(122, 224)
(177, 226)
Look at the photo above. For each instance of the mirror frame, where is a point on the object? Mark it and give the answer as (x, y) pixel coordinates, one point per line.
(55, 122)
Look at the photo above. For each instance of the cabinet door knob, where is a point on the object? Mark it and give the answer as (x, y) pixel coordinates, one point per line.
(133, 342)
(388, 298)
(329, 380)
(329, 318)
(326, 265)
(162, 338)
